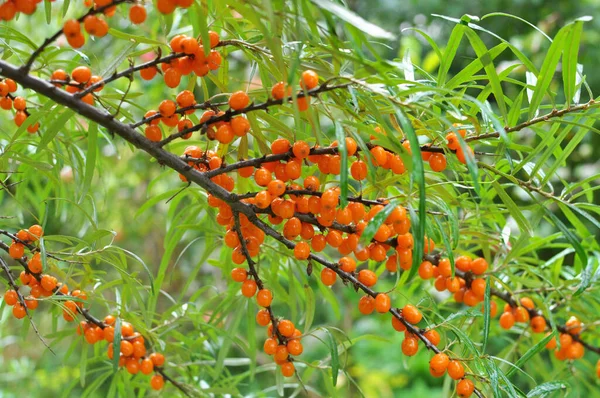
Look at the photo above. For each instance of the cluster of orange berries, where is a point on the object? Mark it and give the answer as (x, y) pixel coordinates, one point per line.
(132, 348)
(453, 143)
(470, 295)
(521, 314)
(570, 348)
(282, 343)
(80, 79)
(440, 363)
(7, 102)
(10, 8)
(195, 60)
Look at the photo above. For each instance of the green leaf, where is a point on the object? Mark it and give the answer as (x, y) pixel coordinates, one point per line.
(335, 362)
(450, 52)
(539, 346)
(513, 209)
(310, 308)
(341, 138)
(354, 20)
(486, 313)
(546, 388)
(137, 39)
(569, 61)
(586, 275)
(49, 133)
(548, 68)
(90, 160)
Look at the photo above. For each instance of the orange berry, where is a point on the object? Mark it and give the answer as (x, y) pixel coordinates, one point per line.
(521, 314)
(456, 370)
(507, 320)
(294, 347)
(439, 362)
(263, 318)
(48, 282)
(367, 277)
(538, 324)
(433, 336)
(479, 266)
(165, 7)
(167, 108)
(301, 250)
(573, 325)
(137, 14)
(411, 314)
(249, 288)
(157, 359)
(19, 311)
(437, 162)
(286, 328)
(398, 325)
(270, 346)
(16, 250)
(157, 382)
(81, 74)
(264, 297)
(279, 91)
(239, 274)
(287, 369)
(239, 100)
(465, 388)
(301, 149)
(11, 297)
(382, 303)
(410, 346)
(366, 305)
(328, 276)
(310, 79)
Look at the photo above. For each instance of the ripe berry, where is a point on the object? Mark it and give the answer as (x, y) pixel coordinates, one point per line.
(367, 277)
(411, 314)
(433, 336)
(11, 297)
(410, 346)
(263, 318)
(479, 266)
(286, 328)
(437, 161)
(294, 347)
(239, 100)
(538, 324)
(456, 370)
(279, 91)
(465, 388)
(264, 297)
(382, 303)
(239, 274)
(366, 305)
(398, 325)
(281, 353)
(81, 74)
(301, 149)
(301, 250)
(507, 320)
(573, 325)
(19, 311)
(270, 346)
(249, 288)
(439, 362)
(137, 14)
(167, 108)
(310, 79)
(328, 276)
(16, 250)
(287, 369)
(157, 382)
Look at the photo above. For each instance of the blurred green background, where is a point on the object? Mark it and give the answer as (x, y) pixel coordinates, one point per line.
(127, 179)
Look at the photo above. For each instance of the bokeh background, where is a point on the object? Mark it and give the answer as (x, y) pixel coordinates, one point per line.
(190, 254)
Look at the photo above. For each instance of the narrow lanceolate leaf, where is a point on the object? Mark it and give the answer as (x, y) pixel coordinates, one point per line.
(486, 313)
(488, 65)
(539, 346)
(341, 139)
(450, 53)
(548, 68)
(418, 178)
(335, 361)
(569, 61)
(586, 275)
(354, 19)
(310, 308)
(513, 209)
(90, 160)
(544, 389)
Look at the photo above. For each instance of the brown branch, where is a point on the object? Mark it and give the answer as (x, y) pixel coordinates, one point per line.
(93, 11)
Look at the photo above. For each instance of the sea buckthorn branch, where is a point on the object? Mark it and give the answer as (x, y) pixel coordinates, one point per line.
(155, 62)
(79, 309)
(227, 115)
(31, 247)
(350, 278)
(254, 273)
(555, 113)
(509, 299)
(13, 284)
(92, 11)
